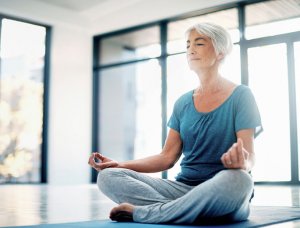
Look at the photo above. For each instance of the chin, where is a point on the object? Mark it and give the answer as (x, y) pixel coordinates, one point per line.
(195, 67)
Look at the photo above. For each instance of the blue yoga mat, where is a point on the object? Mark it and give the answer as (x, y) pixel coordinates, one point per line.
(260, 216)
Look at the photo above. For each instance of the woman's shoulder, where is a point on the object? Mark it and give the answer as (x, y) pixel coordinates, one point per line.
(233, 89)
(243, 95)
(185, 98)
(243, 90)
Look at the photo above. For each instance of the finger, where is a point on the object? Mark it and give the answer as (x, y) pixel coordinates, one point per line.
(99, 156)
(240, 149)
(107, 165)
(234, 154)
(93, 165)
(96, 167)
(246, 154)
(103, 166)
(223, 161)
(227, 159)
(240, 144)
(91, 159)
(92, 155)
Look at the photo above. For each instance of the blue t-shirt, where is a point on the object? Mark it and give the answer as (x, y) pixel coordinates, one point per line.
(206, 136)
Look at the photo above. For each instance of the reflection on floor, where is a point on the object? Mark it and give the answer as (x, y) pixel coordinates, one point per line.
(37, 204)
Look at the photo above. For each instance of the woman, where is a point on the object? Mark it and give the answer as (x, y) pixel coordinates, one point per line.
(214, 126)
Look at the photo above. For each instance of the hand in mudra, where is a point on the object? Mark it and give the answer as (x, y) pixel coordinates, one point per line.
(237, 157)
(103, 163)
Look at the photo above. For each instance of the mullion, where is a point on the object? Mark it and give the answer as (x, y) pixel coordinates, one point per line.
(163, 65)
(293, 112)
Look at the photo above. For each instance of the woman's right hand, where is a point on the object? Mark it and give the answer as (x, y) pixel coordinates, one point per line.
(104, 162)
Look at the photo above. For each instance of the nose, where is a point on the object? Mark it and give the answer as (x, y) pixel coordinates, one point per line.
(191, 51)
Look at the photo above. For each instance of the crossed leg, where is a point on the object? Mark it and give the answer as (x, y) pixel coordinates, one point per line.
(153, 200)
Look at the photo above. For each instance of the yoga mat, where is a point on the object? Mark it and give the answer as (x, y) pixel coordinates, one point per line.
(260, 216)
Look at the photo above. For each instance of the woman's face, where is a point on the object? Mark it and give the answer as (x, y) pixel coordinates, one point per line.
(201, 54)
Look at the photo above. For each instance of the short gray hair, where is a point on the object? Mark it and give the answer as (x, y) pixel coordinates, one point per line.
(220, 38)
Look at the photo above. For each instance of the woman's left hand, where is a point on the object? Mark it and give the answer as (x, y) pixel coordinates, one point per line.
(236, 157)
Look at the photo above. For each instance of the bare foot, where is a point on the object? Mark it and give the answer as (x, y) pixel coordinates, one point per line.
(122, 213)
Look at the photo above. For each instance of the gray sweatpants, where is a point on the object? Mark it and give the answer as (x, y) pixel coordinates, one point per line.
(224, 197)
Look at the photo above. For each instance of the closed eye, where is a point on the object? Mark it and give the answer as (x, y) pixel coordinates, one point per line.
(188, 46)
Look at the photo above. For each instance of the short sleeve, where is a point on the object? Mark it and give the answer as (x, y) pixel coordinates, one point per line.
(247, 113)
(174, 119)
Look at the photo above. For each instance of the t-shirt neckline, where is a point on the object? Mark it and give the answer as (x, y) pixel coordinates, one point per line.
(217, 108)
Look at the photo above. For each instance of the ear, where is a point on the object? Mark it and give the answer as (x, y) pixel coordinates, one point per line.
(220, 56)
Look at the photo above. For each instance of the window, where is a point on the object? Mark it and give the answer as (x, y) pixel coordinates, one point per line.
(21, 101)
(130, 95)
(271, 18)
(260, 61)
(176, 30)
(130, 46)
(130, 111)
(268, 81)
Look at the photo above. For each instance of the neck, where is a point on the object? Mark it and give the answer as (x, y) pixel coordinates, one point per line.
(210, 82)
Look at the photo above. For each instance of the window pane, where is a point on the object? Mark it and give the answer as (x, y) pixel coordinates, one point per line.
(21, 101)
(130, 111)
(231, 67)
(268, 80)
(270, 18)
(144, 43)
(176, 30)
(297, 71)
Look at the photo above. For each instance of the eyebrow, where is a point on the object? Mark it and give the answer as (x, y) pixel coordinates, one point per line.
(196, 39)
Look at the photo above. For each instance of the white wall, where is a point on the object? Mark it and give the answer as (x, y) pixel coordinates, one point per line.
(70, 106)
(70, 70)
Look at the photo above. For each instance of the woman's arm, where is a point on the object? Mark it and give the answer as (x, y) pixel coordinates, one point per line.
(160, 162)
(156, 163)
(241, 155)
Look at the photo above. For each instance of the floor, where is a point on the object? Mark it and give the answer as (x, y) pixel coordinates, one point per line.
(38, 204)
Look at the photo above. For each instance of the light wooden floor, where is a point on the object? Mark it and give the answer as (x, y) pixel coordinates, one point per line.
(37, 204)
